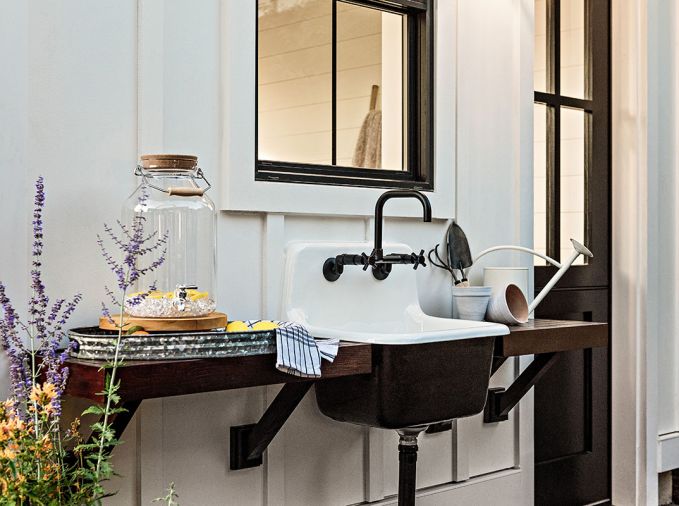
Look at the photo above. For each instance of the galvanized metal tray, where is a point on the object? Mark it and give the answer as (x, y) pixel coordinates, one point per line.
(98, 344)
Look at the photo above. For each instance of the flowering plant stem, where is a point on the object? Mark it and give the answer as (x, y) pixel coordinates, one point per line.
(34, 465)
(33, 468)
(134, 244)
(110, 391)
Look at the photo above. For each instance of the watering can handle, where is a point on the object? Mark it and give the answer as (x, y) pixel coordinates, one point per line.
(517, 248)
(578, 249)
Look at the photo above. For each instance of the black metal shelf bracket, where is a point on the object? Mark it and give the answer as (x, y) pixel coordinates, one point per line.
(248, 442)
(500, 401)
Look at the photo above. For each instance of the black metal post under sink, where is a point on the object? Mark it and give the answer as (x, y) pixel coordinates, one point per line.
(407, 465)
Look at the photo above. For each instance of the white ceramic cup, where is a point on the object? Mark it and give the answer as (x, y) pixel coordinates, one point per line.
(471, 303)
(508, 306)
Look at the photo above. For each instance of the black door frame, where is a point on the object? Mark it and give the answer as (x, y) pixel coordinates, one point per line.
(584, 292)
(597, 146)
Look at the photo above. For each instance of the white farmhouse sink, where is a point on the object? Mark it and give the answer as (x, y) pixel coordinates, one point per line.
(425, 369)
(357, 307)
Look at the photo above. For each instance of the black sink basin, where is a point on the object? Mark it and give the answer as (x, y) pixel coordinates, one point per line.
(413, 385)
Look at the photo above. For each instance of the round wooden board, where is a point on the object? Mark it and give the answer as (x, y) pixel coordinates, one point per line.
(212, 321)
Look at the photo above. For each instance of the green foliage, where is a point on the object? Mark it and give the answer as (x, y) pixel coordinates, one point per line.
(35, 467)
(169, 498)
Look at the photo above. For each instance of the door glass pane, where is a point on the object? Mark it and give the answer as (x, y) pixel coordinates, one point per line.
(572, 184)
(573, 48)
(540, 181)
(540, 48)
(294, 64)
(370, 82)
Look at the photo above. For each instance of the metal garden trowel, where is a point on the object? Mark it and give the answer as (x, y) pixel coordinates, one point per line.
(459, 255)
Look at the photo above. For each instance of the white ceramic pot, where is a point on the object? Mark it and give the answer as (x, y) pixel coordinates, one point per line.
(499, 277)
(508, 306)
(471, 303)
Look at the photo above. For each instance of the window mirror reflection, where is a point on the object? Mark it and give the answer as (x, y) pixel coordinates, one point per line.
(331, 84)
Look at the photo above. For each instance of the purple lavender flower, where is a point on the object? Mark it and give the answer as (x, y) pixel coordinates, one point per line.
(43, 329)
(134, 244)
(39, 300)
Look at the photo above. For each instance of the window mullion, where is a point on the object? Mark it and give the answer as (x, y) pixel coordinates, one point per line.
(333, 72)
(552, 170)
(553, 44)
(553, 220)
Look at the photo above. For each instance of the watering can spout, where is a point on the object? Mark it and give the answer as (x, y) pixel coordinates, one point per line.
(578, 249)
(582, 249)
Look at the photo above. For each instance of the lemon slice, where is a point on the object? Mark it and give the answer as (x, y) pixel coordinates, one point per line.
(237, 326)
(264, 325)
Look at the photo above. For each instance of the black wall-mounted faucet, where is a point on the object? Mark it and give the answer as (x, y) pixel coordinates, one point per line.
(380, 263)
(396, 194)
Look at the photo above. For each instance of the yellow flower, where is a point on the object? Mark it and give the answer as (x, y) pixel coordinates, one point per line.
(36, 393)
(46, 442)
(42, 394)
(49, 390)
(6, 430)
(8, 454)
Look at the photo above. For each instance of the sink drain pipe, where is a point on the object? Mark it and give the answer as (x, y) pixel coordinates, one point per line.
(407, 465)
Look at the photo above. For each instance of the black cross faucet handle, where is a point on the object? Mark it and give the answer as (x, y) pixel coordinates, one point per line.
(418, 260)
(367, 261)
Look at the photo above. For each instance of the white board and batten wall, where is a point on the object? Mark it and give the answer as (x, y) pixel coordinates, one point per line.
(645, 300)
(92, 88)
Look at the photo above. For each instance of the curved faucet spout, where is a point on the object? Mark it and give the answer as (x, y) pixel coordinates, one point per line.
(379, 212)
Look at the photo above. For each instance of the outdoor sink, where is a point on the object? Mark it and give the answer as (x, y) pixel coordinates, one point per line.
(425, 369)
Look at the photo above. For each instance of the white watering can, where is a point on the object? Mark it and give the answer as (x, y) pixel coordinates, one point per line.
(578, 249)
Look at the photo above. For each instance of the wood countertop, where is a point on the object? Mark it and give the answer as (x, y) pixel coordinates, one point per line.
(547, 336)
(163, 378)
(148, 379)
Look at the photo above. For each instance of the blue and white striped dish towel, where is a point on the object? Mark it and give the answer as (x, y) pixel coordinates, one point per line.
(298, 353)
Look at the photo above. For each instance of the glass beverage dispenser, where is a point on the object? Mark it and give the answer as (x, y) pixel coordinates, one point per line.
(173, 202)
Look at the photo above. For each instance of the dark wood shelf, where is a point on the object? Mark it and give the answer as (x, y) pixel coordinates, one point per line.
(151, 379)
(547, 340)
(551, 336)
(164, 378)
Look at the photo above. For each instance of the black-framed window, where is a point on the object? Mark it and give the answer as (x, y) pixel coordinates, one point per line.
(572, 135)
(563, 109)
(345, 92)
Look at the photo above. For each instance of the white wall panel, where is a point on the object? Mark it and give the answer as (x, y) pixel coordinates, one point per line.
(668, 221)
(68, 104)
(195, 447)
(92, 88)
(489, 167)
(323, 458)
(13, 154)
